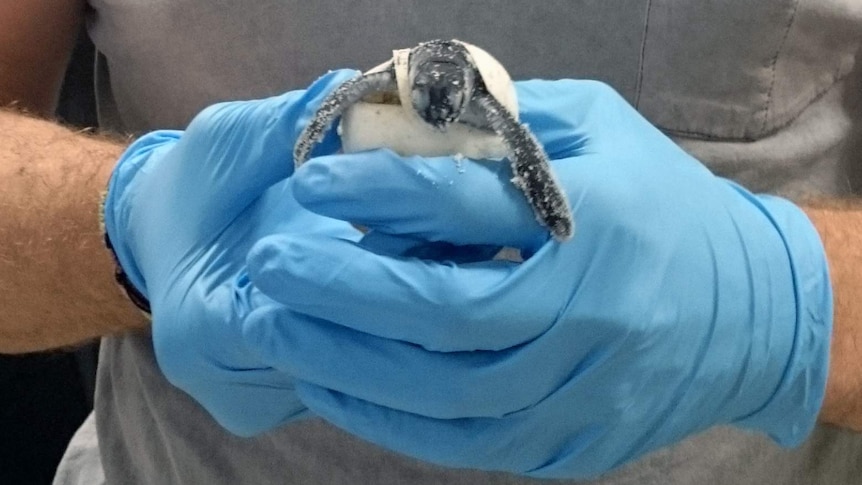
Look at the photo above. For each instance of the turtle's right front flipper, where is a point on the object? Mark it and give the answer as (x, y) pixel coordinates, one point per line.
(334, 106)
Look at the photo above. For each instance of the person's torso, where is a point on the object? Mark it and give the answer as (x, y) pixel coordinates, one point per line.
(763, 92)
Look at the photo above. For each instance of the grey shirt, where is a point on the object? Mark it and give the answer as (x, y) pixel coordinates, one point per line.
(765, 92)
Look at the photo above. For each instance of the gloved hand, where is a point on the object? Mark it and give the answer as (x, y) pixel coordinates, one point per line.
(682, 302)
(182, 210)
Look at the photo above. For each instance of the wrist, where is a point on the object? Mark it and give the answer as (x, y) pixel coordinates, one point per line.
(839, 224)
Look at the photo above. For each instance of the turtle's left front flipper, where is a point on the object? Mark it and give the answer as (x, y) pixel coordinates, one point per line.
(531, 170)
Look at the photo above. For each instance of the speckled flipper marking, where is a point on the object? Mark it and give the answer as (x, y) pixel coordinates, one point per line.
(531, 170)
(334, 106)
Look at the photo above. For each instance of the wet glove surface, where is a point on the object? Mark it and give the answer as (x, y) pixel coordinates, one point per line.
(682, 302)
(182, 210)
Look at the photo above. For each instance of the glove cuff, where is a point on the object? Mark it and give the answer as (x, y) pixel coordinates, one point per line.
(791, 413)
(116, 208)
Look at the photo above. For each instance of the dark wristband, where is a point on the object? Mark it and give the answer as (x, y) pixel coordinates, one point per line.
(129, 289)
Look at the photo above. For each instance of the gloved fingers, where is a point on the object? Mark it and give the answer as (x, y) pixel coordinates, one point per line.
(229, 395)
(556, 439)
(463, 203)
(433, 199)
(440, 306)
(444, 442)
(514, 443)
(278, 212)
(232, 152)
(404, 376)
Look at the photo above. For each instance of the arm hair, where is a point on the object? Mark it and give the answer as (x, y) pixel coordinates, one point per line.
(56, 277)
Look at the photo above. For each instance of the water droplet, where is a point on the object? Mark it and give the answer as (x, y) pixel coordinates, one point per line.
(459, 162)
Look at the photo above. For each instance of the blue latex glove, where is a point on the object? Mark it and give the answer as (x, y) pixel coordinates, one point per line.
(182, 210)
(682, 302)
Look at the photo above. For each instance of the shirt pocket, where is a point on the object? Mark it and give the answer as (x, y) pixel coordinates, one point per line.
(742, 69)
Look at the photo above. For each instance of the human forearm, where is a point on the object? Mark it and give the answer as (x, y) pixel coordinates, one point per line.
(839, 224)
(56, 278)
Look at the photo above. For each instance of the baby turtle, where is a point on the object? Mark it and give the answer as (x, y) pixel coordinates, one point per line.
(450, 86)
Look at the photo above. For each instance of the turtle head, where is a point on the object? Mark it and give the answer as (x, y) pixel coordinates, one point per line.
(442, 78)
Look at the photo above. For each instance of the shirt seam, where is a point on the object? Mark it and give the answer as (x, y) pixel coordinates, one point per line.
(641, 59)
(774, 66)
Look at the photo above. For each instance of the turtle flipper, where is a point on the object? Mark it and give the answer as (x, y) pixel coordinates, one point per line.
(531, 169)
(335, 105)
